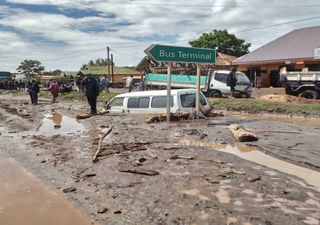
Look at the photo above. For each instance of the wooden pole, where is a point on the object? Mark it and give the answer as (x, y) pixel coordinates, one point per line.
(112, 76)
(198, 92)
(168, 90)
(108, 58)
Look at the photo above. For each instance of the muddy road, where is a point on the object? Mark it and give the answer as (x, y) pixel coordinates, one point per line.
(190, 172)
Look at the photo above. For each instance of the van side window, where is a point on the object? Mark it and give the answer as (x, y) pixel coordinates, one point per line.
(222, 77)
(116, 102)
(138, 102)
(144, 102)
(189, 100)
(133, 103)
(160, 102)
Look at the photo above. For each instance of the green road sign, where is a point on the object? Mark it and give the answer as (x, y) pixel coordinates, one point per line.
(166, 53)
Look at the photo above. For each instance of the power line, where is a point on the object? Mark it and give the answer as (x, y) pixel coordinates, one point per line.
(277, 24)
(240, 31)
(214, 6)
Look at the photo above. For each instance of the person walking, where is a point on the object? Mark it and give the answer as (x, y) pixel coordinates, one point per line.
(232, 81)
(129, 83)
(259, 81)
(54, 89)
(92, 92)
(141, 84)
(105, 83)
(33, 89)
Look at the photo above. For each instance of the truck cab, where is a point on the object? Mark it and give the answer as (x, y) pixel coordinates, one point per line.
(216, 84)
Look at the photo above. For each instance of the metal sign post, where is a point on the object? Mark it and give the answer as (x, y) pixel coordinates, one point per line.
(198, 92)
(168, 54)
(168, 91)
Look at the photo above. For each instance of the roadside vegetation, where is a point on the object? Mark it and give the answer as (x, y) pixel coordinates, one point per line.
(256, 106)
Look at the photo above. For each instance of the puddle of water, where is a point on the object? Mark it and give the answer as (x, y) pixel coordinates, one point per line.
(225, 123)
(59, 124)
(25, 200)
(309, 176)
(288, 119)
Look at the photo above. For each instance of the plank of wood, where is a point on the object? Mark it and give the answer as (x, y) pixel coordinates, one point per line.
(95, 159)
(241, 134)
(141, 171)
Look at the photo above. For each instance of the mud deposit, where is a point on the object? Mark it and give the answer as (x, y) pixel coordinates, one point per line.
(25, 200)
(170, 173)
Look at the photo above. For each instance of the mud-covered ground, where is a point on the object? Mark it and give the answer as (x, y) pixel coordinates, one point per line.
(191, 172)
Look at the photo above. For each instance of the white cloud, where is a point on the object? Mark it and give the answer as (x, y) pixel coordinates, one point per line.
(64, 42)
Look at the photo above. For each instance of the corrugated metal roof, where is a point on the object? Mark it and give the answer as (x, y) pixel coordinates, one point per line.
(298, 44)
(100, 70)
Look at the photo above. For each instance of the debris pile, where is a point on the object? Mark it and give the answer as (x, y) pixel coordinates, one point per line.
(183, 116)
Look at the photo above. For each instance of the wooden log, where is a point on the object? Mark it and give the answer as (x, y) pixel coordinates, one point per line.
(242, 134)
(141, 171)
(99, 145)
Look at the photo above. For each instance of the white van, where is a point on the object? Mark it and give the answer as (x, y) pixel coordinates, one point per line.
(182, 100)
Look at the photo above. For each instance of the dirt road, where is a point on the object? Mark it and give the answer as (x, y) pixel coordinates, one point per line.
(169, 173)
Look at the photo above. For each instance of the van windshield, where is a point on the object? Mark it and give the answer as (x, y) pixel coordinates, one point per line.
(116, 102)
(242, 79)
(189, 100)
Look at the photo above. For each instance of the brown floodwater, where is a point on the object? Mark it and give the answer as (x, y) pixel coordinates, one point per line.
(282, 118)
(56, 123)
(245, 152)
(24, 200)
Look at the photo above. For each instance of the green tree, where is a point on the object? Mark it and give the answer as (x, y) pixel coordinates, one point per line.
(223, 42)
(97, 62)
(30, 68)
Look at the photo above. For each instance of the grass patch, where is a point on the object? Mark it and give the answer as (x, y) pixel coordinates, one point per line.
(76, 95)
(255, 106)
(104, 96)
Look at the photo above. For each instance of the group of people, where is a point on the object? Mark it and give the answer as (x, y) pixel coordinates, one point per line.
(104, 83)
(10, 84)
(91, 85)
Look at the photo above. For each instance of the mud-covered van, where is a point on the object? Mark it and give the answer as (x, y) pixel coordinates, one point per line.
(182, 100)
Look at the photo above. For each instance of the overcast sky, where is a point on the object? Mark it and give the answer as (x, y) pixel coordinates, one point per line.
(64, 34)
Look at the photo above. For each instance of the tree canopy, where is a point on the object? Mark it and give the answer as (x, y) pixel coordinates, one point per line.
(223, 42)
(97, 62)
(30, 68)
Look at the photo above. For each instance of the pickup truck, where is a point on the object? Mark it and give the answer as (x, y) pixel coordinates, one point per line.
(304, 84)
(212, 85)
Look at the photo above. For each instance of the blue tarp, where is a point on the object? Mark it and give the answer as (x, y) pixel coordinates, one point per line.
(187, 79)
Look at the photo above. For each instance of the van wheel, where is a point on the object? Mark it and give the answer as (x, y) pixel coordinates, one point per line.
(215, 94)
(309, 94)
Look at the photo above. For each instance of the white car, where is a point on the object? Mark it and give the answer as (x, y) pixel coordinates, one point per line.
(216, 84)
(182, 100)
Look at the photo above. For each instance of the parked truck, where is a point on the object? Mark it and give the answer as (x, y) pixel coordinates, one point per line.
(303, 83)
(212, 85)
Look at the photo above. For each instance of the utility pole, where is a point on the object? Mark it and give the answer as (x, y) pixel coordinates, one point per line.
(112, 69)
(108, 58)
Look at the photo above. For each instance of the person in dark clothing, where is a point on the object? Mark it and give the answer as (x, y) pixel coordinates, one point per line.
(92, 92)
(232, 81)
(33, 89)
